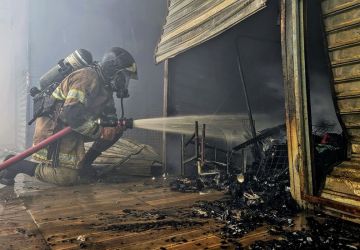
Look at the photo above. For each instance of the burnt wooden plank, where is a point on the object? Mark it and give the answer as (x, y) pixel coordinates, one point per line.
(17, 229)
(182, 200)
(208, 241)
(150, 239)
(68, 196)
(116, 204)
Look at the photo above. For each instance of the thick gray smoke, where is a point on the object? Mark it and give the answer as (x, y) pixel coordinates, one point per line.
(59, 27)
(13, 73)
(39, 33)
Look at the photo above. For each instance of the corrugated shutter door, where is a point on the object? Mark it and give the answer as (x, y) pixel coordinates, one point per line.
(342, 27)
(192, 22)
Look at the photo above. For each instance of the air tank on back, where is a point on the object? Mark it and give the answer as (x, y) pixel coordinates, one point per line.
(80, 58)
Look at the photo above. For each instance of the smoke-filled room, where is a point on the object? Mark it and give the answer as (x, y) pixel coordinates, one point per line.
(179, 124)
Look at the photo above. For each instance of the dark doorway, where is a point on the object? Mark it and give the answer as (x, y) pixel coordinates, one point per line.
(205, 79)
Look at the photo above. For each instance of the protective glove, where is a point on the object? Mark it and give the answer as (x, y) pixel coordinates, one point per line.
(110, 133)
(99, 146)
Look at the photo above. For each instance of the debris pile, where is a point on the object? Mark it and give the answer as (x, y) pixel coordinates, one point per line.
(262, 199)
(331, 233)
(259, 197)
(158, 225)
(185, 185)
(143, 220)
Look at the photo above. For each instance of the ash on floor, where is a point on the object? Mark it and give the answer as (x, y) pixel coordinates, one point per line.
(261, 198)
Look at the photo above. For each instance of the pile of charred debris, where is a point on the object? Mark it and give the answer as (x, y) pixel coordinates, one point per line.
(261, 197)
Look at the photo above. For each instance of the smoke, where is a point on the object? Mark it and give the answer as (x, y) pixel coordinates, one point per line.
(60, 27)
(43, 31)
(206, 78)
(39, 33)
(13, 73)
(134, 25)
(322, 104)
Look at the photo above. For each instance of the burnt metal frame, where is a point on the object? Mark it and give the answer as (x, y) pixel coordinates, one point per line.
(165, 112)
(298, 118)
(298, 114)
(199, 154)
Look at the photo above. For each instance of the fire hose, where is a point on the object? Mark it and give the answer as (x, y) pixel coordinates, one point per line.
(127, 123)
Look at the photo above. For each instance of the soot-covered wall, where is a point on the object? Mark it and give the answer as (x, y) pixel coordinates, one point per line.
(205, 79)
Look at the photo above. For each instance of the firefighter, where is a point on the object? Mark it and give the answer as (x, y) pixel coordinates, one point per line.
(80, 100)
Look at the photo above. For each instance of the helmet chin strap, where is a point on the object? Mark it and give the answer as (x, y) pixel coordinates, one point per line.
(120, 94)
(122, 107)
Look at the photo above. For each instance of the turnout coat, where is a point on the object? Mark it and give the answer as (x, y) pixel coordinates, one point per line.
(80, 99)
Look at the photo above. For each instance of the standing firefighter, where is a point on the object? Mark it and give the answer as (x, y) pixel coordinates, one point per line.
(79, 101)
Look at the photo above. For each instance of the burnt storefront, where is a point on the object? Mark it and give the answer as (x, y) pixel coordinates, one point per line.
(280, 51)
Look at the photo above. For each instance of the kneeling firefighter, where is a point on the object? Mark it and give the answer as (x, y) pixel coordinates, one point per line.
(80, 100)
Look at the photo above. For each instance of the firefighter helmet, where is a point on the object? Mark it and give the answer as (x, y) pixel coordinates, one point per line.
(118, 67)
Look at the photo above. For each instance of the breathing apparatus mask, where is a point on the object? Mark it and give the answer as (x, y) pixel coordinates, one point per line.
(118, 68)
(120, 84)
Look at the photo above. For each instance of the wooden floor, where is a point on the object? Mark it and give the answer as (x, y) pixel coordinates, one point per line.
(17, 229)
(137, 214)
(132, 215)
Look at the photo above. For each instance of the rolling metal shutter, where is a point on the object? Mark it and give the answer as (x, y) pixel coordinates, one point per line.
(342, 27)
(192, 22)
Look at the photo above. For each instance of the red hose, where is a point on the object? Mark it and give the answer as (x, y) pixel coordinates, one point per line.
(35, 148)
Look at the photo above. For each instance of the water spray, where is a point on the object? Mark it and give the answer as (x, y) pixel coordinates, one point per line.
(179, 125)
(218, 126)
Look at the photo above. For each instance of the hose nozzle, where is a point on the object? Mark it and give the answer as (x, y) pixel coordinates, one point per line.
(128, 123)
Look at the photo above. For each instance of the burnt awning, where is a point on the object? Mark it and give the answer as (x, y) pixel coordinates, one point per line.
(192, 22)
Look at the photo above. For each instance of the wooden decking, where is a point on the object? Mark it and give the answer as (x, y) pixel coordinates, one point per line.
(137, 214)
(132, 215)
(17, 229)
(98, 213)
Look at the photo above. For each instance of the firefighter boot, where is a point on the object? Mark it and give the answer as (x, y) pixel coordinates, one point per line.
(7, 175)
(87, 171)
